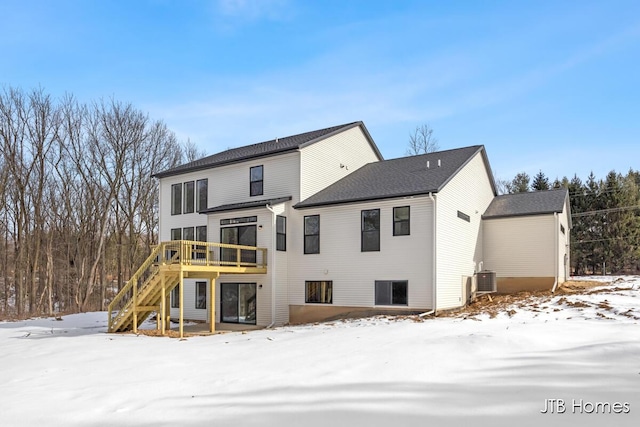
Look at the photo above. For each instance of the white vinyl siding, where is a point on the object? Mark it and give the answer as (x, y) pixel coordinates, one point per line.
(459, 242)
(563, 246)
(190, 310)
(325, 162)
(264, 239)
(354, 272)
(520, 246)
(230, 184)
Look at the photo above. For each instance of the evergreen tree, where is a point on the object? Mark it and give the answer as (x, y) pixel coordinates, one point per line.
(540, 182)
(519, 184)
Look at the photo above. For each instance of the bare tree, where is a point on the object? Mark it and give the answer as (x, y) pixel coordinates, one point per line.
(191, 152)
(422, 141)
(78, 205)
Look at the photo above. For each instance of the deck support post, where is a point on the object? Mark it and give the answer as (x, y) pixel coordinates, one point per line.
(212, 304)
(181, 284)
(163, 304)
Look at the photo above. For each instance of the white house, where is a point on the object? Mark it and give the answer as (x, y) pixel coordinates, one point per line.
(348, 233)
(527, 239)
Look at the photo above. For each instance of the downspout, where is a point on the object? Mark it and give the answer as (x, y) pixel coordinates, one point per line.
(434, 258)
(273, 266)
(555, 243)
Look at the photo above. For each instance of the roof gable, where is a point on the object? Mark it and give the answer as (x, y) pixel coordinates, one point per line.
(405, 176)
(266, 148)
(532, 203)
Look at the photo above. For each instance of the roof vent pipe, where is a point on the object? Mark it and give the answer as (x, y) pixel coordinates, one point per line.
(439, 163)
(427, 164)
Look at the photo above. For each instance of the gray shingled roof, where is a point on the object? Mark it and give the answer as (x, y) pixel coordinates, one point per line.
(406, 176)
(267, 148)
(520, 204)
(246, 205)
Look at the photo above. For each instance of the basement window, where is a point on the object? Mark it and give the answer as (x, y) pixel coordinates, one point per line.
(319, 291)
(175, 297)
(201, 295)
(391, 292)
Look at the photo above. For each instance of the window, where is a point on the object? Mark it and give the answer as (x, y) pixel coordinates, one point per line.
(241, 220)
(464, 216)
(319, 292)
(312, 234)
(176, 199)
(175, 297)
(281, 233)
(201, 236)
(562, 229)
(201, 295)
(370, 230)
(391, 292)
(244, 235)
(203, 196)
(176, 234)
(401, 221)
(187, 233)
(189, 195)
(256, 181)
(201, 233)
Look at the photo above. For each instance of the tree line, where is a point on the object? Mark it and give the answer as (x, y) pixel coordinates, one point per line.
(78, 206)
(605, 238)
(605, 213)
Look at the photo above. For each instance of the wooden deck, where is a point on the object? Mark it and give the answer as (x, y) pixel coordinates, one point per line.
(166, 267)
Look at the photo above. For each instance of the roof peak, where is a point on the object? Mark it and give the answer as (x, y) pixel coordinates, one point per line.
(271, 147)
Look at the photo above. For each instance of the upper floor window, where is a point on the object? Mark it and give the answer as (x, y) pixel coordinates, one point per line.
(189, 196)
(370, 230)
(312, 234)
(281, 233)
(401, 221)
(176, 199)
(203, 194)
(256, 181)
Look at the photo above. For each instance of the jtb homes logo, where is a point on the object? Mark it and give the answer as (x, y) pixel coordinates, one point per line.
(559, 406)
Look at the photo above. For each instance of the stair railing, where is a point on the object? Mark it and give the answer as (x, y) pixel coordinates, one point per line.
(132, 285)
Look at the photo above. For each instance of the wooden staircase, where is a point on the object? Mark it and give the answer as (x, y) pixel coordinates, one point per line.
(148, 289)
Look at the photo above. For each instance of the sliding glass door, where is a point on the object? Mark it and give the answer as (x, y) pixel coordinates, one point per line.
(238, 303)
(244, 235)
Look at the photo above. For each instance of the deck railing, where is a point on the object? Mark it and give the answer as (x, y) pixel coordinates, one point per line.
(183, 254)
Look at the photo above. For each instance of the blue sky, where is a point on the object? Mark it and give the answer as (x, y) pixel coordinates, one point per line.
(544, 85)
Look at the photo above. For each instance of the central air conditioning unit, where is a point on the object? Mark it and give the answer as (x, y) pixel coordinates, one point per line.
(487, 281)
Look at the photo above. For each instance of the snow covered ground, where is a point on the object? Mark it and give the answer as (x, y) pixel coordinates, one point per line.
(461, 370)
